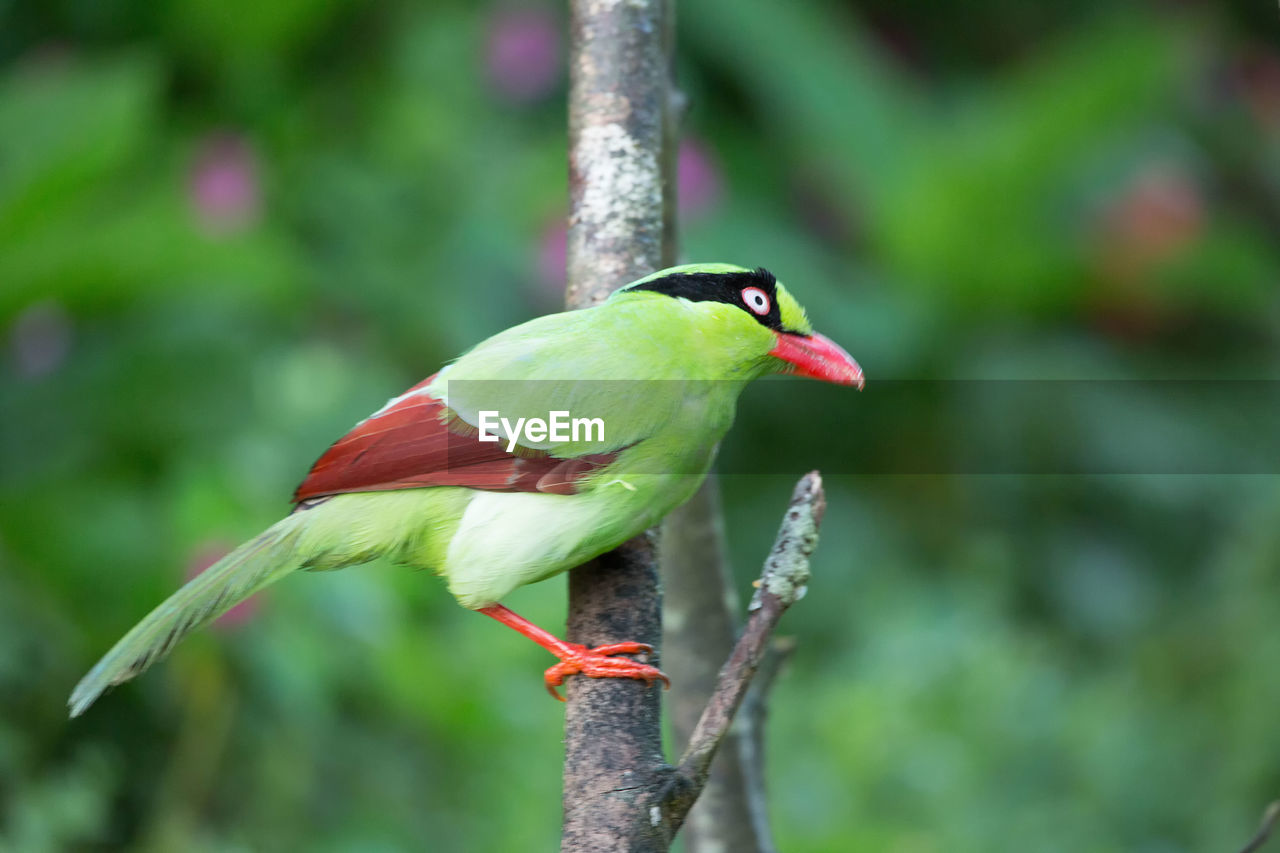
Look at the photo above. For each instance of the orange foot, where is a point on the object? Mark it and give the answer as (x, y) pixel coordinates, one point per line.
(576, 659)
(598, 663)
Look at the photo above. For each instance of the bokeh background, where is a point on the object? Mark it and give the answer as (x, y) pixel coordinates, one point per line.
(231, 228)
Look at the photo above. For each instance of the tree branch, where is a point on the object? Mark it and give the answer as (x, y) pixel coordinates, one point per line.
(783, 582)
(751, 728)
(618, 793)
(1269, 818)
(617, 113)
(618, 231)
(701, 619)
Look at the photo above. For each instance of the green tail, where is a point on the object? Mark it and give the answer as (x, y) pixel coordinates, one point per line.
(235, 577)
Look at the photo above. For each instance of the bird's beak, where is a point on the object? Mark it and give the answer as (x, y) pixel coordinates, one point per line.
(817, 357)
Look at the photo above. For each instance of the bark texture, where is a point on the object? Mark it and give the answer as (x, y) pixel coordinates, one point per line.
(620, 225)
(619, 794)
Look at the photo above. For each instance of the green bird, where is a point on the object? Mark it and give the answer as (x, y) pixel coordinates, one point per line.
(544, 446)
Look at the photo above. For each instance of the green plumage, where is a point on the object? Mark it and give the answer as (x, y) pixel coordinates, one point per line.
(247, 569)
(694, 358)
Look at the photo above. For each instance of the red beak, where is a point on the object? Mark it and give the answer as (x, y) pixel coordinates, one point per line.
(817, 357)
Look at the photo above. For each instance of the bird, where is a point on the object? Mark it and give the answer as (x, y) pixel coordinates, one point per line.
(478, 474)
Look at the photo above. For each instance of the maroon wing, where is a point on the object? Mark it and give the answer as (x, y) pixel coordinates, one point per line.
(416, 441)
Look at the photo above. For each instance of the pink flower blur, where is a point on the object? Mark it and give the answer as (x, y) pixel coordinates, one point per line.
(552, 254)
(223, 187)
(522, 55)
(700, 181)
(1156, 215)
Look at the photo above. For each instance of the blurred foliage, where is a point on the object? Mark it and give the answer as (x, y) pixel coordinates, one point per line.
(228, 230)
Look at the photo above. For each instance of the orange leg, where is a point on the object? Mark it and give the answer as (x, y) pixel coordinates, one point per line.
(576, 659)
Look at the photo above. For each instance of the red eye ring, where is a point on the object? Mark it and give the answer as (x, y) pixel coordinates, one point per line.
(756, 300)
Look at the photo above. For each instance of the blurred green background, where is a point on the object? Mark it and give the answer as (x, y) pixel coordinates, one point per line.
(231, 228)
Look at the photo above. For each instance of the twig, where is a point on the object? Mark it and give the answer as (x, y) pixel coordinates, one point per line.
(701, 624)
(752, 716)
(1269, 819)
(783, 582)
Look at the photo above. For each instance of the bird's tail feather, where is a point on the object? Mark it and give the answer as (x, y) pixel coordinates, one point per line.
(235, 577)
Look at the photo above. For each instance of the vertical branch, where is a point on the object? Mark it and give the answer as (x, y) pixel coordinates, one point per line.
(754, 803)
(617, 222)
(617, 109)
(619, 795)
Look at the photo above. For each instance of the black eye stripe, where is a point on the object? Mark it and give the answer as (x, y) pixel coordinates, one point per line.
(724, 287)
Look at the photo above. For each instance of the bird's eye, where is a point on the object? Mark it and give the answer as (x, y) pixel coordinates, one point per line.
(756, 299)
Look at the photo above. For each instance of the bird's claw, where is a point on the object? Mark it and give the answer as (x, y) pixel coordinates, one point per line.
(600, 663)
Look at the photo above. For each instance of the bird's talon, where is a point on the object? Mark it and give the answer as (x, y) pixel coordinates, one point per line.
(601, 662)
(552, 685)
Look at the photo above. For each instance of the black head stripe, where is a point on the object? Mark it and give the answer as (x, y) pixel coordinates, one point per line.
(721, 287)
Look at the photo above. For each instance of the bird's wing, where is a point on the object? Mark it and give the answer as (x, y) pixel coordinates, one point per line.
(621, 367)
(416, 441)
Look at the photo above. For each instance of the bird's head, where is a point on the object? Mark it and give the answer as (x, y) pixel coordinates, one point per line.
(756, 317)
